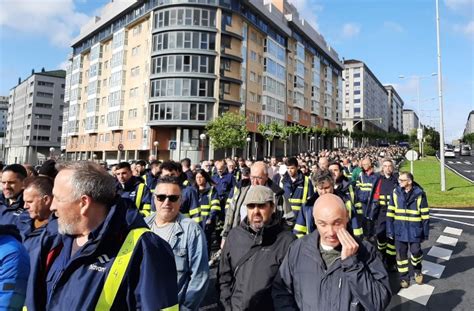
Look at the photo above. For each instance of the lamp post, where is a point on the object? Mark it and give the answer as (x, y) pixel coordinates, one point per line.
(248, 139)
(312, 143)
(420, 130)
(51, 152)
(440, 96)
(203, 138)
(155, 144)
(94, 157)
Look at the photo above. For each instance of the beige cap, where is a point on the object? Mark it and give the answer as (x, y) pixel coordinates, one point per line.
(258, 195)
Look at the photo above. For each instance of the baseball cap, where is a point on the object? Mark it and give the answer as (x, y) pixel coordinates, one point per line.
(258, 195)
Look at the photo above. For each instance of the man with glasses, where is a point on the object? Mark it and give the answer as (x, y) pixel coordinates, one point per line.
(253, 253)
(235, 207)
(408, 223)
(186, 239)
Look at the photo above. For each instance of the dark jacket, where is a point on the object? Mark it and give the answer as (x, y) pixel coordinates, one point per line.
(12, 214)
(297, 192)
(248, 286)
(408, 215)
(383, 193)
(80, 284)
(137, 192)
(224, 184)
(359, 282)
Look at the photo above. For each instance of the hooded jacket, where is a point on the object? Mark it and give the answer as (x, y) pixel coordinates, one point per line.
(14, 269)
(248, 286)
(359, 282)
(149, 282)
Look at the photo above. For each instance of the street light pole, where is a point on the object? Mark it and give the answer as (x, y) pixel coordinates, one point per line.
(155, 144)
(202, 137)
(440, 95)
(248, 139)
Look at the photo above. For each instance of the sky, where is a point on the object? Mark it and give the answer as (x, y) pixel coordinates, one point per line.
(395, 38)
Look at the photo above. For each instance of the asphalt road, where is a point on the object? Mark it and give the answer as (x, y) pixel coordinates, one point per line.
(463, 165)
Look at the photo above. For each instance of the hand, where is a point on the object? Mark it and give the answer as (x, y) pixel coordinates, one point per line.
(222, 243)
(349, 245)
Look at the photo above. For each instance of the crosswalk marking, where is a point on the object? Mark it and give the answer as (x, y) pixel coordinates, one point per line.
(447, 240)
(441, 253)
(467, 162)
(418, 293)
(450, 162)
(432, 269)
(452, 231)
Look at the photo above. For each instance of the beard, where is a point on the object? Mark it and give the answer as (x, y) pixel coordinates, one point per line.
(69, 228)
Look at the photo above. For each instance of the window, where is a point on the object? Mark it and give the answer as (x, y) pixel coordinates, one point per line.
(135, 50)
(226, 87)
(225, 64)
(182, 87)
(48, 84)
(135, 71)
(179, 111)
(253, 76)
(253, 56)
(185, 16)
(44, 94)
(132, 113)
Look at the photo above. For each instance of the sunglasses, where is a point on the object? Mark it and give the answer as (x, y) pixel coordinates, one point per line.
(162, 197)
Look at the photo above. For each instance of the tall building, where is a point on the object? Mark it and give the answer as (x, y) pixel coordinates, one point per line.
(469, 124)
(35, 116)
(3, 114)
(364, 98)
(395, 104)
(410, 121)
(159, 71)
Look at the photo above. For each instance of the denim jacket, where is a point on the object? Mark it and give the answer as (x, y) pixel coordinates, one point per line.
(190, 252)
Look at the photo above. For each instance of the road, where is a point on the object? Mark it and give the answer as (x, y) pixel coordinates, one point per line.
(463, 165)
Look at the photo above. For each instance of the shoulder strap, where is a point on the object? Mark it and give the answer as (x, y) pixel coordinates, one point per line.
(246, 257)
(117, 271)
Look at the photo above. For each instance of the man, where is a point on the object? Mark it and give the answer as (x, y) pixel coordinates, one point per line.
(236, 209)
(30, 170)
(186, 239)
(323, 163)
(233, 170)
(347, 168)
(132, 188)
(298, 188)
(186, 167)
(79, 270)
(224, 182)
(330, 269)
(190, 199)
(151, 177)
(12, 209)
(140, 167)
(383, 192)
(324, 185)
(408, 223)
(273, 168)
(253, 252)
(365, 188)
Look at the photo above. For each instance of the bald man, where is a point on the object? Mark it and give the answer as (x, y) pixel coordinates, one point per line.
(330, 269)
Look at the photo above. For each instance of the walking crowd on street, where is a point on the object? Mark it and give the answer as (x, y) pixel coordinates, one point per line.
(314, 231)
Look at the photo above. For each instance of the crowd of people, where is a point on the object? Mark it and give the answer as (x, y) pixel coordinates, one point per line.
(309, 232)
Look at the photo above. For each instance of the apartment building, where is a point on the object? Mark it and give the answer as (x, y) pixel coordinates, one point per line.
(395, 105)
(158, 71)
(410, 121)
(469, 128)
(366, 103)
(3, 114)
(34, 118)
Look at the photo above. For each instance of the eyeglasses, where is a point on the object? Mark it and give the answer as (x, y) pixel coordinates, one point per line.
(259, 206)
(256, 177)
(162, 197)
(402, 180)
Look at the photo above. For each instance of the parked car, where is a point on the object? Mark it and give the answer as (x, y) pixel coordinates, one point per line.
(457, 149)
(449, 153)
(466, 150)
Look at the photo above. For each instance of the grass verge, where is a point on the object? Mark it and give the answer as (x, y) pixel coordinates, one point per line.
(459, 192)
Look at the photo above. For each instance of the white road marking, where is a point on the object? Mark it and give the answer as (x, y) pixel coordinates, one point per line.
(418, 293)
(450, 162)
(467, 162)
(453, 210)
(454, 216)
(456, 221)
(432, 269)
(453, 231)
(447, 240)
(441, 253)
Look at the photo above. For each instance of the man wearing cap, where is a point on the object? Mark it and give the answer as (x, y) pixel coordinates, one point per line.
(252, 254)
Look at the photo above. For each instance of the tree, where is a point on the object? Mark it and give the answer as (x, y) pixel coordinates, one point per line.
(468, 138)
(228, 131)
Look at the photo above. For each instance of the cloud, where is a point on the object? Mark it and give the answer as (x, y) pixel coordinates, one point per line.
(467, 29)
(350, 30)
(459, 5)
(392, 26)
(308, 11)
(57, 20)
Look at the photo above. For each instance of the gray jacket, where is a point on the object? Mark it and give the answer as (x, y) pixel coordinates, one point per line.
(359, 282)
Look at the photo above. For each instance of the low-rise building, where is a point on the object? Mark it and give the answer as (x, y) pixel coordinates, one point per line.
(410, 121)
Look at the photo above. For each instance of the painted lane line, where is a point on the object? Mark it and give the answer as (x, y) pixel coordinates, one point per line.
(441, 253)
(432, 269)
(418, 293)
(450, 162)
(455, 221)
(454, 216)
(451, 210)
(453, 231)
(447, 240)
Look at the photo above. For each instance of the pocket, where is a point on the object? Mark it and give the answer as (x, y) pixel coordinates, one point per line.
(181, 258)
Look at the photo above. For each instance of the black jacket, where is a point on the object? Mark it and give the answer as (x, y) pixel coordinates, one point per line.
(248, 287)
(359, 282)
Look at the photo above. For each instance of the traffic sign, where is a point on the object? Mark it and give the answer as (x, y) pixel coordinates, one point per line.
(411, 155)
(120, 147)
(419, 134)
(172, 145)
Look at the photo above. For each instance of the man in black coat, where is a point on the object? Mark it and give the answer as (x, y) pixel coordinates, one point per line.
(252, 254)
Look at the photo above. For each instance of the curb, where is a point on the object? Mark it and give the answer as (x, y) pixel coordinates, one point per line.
(455, 171)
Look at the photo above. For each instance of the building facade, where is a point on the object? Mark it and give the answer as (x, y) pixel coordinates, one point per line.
(3, 114)
(410, 121)
(395, 104)
(469, 124)
(364, 98)
(35, 116)
(158, 71)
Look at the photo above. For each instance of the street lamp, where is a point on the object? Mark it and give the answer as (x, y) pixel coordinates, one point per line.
(155, 144)
(51, 152)
(248, 139)
(94, 157)
(440, 95)
(420, 130)
(202, 137)
(312, 143)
